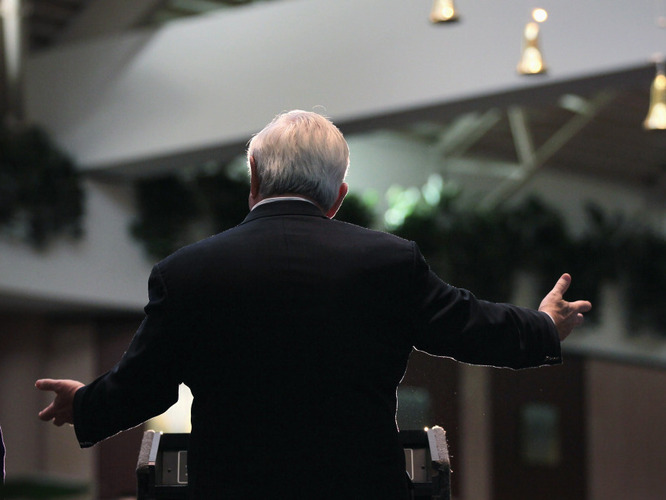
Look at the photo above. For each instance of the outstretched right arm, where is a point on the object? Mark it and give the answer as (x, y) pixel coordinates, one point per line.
(61, 410)
(566, 315)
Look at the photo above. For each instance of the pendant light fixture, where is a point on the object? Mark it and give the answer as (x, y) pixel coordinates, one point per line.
(656, 116)
(443, 11)
(531, 61)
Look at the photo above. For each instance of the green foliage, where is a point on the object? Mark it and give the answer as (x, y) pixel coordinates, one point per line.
(643, 275)
(166, 206)
(224, 197)
(484, 250)
(169, 208)
(480, 250)
(356, 210)
(40, 189)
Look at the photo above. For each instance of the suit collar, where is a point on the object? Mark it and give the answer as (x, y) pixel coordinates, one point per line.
(286, 207)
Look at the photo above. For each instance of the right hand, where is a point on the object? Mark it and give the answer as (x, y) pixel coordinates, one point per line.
(61, 410)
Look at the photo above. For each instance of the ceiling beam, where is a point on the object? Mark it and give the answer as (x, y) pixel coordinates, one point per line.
(531, 160)
(465, 131)
(198, 6)
(101, 17)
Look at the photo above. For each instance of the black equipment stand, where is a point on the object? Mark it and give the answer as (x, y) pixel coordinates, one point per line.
(161, 468)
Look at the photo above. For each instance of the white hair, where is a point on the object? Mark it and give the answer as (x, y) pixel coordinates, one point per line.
(300, 152)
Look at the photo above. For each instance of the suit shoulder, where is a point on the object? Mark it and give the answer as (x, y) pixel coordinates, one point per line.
(198, 248)
(372, 237)
(372, 233)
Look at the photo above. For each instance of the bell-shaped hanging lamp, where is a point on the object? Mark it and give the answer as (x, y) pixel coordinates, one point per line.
(531, 61)
(443, 11)
(656, 117)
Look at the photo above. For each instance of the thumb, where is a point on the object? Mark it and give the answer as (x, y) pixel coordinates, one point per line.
(48, 384)
(562, 285)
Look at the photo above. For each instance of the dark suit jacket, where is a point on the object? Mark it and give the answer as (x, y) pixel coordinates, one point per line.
(293, 332)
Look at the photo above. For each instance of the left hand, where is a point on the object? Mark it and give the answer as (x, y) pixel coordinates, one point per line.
(61, 410)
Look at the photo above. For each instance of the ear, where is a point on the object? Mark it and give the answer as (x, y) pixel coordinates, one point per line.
(344, 189)
(254, 184)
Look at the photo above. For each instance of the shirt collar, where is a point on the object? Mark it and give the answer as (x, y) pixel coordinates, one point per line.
(282, 198)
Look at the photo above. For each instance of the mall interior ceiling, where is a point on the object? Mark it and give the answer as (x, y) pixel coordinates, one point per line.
(591, 126)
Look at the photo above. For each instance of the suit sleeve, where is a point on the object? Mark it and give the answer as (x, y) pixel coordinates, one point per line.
(145, 381)
(452, 322)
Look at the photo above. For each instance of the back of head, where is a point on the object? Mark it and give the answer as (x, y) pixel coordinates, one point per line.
(300, 153)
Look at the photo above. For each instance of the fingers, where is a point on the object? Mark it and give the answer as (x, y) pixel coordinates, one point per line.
(52, 412)
(581, 306)
(59, 422)
(577, 320)
(560, 288)
(47, 413)
(59, 418)
(47, 384)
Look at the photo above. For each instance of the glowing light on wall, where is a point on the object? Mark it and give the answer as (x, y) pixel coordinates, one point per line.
(177, 418)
